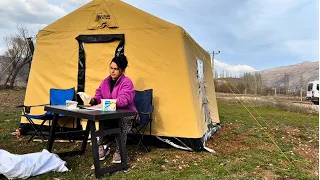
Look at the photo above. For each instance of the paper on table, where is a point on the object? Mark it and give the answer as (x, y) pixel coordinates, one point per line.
(86, 98)
(94, 108)
(97, 107)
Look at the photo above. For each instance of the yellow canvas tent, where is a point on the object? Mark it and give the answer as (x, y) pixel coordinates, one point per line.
(161, 55)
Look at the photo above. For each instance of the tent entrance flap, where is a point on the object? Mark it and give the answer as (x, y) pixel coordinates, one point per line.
(98, 38)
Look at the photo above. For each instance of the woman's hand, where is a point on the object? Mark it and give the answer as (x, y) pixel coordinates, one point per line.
(92, 102)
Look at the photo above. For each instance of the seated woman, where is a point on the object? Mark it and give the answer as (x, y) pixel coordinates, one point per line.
(116, 86)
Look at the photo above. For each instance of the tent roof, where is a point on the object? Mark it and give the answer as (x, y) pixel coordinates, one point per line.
(115, 14)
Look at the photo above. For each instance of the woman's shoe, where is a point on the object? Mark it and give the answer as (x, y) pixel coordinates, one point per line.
(116, 158)
(103, 152)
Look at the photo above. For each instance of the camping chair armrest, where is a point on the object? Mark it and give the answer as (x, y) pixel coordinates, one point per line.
(151, 107)
(26, 109)
(145, 113)
(23, 106)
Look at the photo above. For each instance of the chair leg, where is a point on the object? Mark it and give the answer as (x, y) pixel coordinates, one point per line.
(38, 131)
(140, 137)
(139, 134)
(32, 123)
(141, 140)
(150, 136)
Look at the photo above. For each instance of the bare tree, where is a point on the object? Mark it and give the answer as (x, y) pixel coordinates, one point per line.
(16, 58)
(222, 74)
(216, 76)
(2, 68)
(286, 83)
(258, 83)
(246, 82)
(251, 83)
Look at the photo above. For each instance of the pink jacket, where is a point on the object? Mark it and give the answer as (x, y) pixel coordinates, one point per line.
(123, 91)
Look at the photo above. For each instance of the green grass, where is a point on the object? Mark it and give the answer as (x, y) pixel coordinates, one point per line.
(243, 148)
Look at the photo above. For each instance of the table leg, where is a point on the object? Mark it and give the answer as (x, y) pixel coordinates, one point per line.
(95, 148)
(121, 144)
(52, 132)
(85, 138)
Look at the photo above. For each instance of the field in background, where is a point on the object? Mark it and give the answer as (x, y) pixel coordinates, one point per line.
(287, 103)
(243, 147)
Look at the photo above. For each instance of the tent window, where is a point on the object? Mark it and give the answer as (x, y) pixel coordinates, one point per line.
(200, 70)
(202, 90)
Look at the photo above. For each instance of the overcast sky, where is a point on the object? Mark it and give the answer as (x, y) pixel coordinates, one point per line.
(251, 34)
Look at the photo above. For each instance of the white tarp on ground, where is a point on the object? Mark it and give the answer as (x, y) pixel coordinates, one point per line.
(23, 166)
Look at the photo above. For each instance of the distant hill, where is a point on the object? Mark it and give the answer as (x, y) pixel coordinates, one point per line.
(275, 77)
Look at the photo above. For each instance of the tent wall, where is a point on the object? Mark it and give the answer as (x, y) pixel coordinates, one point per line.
(193, 52)
(156, 60)
(191, 59)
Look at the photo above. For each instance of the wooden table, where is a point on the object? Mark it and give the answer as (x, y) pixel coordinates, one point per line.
(92, 116)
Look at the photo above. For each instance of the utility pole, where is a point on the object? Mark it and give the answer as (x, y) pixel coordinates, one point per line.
(301, 86)
(301, 94)
(212, 61)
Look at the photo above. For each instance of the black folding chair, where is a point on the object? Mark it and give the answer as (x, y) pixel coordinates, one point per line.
(57, 97)
(143, 102)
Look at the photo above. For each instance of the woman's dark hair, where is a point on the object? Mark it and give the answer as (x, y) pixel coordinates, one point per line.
(121, 61)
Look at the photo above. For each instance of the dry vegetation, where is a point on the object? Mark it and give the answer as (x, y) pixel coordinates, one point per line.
(287, 103)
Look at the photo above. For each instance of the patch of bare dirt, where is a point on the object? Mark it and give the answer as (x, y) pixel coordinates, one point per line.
(11, 98)
(312, 155)
(267, 146)
(266, 174)
(226, 141)
(168, 160)
(169, 156)
(290, 135)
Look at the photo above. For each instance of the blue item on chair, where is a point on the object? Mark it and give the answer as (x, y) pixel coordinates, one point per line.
(57, 97)
(143, 102)
(46, 116)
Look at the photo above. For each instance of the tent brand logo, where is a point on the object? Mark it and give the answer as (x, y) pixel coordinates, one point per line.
(102, 16)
